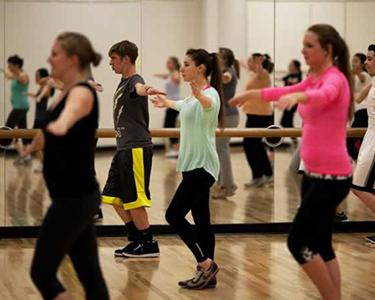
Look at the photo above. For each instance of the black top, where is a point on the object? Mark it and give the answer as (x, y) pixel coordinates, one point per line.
(130, 115)
(41, 107)
(69, 160)
(292, 79)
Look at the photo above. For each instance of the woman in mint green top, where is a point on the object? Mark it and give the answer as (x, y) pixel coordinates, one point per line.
(198, 161)
(20, 104)
(18, 97)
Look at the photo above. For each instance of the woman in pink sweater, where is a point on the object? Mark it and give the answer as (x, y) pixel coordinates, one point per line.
(325, 105)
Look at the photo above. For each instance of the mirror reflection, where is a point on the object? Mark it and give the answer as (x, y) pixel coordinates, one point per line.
(259, 45)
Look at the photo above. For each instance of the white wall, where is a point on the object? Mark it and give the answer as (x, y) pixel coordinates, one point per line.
(168, 28)
(2, 62)
(360, 25)
(32, 26)
(353, 19)
(164, 27)
(159, 28)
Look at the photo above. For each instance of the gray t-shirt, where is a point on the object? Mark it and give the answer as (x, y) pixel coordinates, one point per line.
(130, 115)
(229, 90)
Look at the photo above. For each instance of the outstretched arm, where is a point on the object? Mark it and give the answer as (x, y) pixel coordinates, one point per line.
(78, 105)
(363, 94)
(161, 101)
(146, 90)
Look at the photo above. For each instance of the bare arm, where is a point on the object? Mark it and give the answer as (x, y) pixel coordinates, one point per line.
(78, 105)
(145, 90)
(95, 85)
(227, 77)
(205, 101)
(21, 77)
(363, 94)
(362, 77)
(36, 145)
(241, 99)
(46, 90)
(161, 75)
(176, 78)
(160, 101)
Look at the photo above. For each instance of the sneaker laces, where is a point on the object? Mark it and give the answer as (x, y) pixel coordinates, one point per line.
(198, 275)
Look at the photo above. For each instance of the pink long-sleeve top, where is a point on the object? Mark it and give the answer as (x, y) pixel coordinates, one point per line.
(325, 116)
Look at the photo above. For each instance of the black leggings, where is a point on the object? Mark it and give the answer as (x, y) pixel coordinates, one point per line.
(256, 153)
(68, 229)
(170, 122)
(353, 144)
(17, 118)
(311, 231)
(287, 117)
(193, 194)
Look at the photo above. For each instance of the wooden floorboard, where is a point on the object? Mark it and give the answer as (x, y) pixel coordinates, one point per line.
(251, 267)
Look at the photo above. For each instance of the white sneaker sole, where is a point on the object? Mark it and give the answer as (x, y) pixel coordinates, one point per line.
(150, 255)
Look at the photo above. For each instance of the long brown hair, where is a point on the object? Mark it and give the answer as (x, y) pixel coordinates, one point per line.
(229, 60)
(328, 35)
(211, 62)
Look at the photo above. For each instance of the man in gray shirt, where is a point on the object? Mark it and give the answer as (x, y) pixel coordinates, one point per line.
(127, 186)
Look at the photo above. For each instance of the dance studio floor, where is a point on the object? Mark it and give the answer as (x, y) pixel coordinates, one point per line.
(24, 198)
(253, 267)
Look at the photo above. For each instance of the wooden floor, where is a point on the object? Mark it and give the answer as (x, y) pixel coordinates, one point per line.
(24, 198)
(251, 267)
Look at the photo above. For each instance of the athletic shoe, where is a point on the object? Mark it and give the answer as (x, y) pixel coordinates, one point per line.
(370, 239)
(127, 248)
(202, 277)
(212, 284)
(341, 217)
(258, 182)
(38, 168)
(142, 250)
(171, 154)
(223, 192)
(254, 183)
(22, 161)
(98, 217)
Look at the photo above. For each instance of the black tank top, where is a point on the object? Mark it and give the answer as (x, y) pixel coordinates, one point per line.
(69, 160)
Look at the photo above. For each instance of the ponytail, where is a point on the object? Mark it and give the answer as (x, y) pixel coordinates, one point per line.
(342, 61)
(328, 35)
(267, 63)
(216, 82)
(237, 68)
(213, 69)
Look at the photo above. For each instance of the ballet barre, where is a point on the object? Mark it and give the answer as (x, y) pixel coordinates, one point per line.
(158, 133)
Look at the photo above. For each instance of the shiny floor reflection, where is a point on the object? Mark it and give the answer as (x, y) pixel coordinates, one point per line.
(252, 267)
(25, 197)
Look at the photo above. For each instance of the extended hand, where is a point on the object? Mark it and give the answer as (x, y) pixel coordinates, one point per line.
(158, 101)
(154, 91)
(197, 92)
(287, 102)
(26, 150)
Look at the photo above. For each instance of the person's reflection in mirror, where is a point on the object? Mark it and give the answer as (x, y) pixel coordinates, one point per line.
(172, 87)
(19, 102)
(259, 115)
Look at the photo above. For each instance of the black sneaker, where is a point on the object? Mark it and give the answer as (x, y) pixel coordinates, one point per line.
(143, 250)
(370, 239)
(127, 248)
(341, 217)
(212, 284)
(202, 277)
(98, 217)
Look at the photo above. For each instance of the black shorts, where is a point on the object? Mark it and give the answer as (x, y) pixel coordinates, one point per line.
(129, 179)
